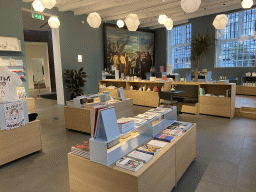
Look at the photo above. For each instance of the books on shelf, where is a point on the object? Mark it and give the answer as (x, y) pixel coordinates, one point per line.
(81, 150)
(164, 137)
(149, 149)
(157, 143)
(113, 143)
(176, 133)
(138, 121)
(124, 136)
(125, 125)
(140, 156)
(130, 164)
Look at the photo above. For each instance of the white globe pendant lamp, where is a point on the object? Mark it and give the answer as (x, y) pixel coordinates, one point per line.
(220, 21)
(48, 4)
(54, 22)
(169, 24)
(132, 22)
(94, 20)
(38, 6)
(190, 6)
(120, 23)
(246, 4)
(162, 19)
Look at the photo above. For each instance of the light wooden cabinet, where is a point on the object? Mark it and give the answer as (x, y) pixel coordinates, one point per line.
(245, 90)
(137, 96)
(219, 106)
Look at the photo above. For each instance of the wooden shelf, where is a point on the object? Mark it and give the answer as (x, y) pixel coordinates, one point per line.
(245, 90)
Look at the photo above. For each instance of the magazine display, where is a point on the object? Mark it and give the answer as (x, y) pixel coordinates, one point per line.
(81, 150)
(140, 156)
(130, 164)
(149, 149)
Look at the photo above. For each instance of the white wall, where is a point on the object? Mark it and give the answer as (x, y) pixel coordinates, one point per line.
(37, 50)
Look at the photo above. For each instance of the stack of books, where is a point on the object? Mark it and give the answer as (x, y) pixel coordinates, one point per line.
(130, 164)
(113, 143)
(157, 143)
(164, 137)
(125, 125)
(140, 156)
(138, 121)
(81, 150)
(149, 149)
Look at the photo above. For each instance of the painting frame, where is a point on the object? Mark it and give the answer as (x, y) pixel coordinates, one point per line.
(105, 41)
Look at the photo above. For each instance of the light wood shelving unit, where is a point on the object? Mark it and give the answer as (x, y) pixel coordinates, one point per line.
(83, 119)
(160, 174)
(19, 142)
(245, 90)
(219, 106)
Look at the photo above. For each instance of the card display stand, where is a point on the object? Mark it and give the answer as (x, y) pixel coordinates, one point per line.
(98, 146)
(162, 173)
(19, 142)
(83, 119)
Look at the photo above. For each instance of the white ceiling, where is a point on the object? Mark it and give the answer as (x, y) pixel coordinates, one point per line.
(147, 10)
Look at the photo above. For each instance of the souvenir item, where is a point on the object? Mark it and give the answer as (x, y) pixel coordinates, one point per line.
(155, 89)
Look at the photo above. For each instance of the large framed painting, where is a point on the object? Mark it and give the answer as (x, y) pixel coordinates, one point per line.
(131, 52)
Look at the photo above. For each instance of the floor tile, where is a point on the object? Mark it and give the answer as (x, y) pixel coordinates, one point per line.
(247, 177)
(207, 186)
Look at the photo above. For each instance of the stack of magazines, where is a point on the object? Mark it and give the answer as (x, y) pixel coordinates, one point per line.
(81, 150)
(130, 164)
(125, 125)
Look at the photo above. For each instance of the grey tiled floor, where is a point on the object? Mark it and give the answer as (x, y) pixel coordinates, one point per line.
(226, 157)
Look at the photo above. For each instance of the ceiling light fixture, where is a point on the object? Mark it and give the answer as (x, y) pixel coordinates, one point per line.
(48, 4)
(120, 23)
(169, 24)
(94, 20)
(38, 6)
(190, 6)
(132, 22)
(220, 21)
(162, 19)
(246, 4)
(54, 22)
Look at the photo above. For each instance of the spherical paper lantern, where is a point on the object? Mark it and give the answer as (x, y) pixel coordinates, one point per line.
(38, 6)
(132, 22)
(120, 23)
(54, 22)
(94, 20)
(169, 24)
(48, 4)
(162, 19)
(246, 4)
(220, 21)
(190, 6)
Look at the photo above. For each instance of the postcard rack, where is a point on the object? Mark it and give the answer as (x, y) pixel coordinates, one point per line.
(108, 131)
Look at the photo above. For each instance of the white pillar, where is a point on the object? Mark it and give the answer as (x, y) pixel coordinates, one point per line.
(58, 66)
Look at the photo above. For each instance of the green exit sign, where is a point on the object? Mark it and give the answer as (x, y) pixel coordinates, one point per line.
(36, 16)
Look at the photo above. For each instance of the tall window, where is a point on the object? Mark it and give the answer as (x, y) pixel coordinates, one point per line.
(231, 49)
(179, 49)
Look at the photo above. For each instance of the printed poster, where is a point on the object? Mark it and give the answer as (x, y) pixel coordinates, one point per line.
(14, 115)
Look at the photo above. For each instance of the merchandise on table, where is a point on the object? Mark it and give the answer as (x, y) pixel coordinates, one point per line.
(125, 125)
(82, 150)
(140, 156)
(157, 143)
(176, 133)
(124, 136)
(130, 164)
(149, 149)
(113, 143)
(164, 137)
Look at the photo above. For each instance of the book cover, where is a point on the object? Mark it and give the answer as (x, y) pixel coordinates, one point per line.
(157, 143)
(83, 147)
(164, 137)
(130, 164)
(149, 149)
(140, 156)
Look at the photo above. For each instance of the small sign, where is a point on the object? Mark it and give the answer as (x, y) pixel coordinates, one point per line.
(37, 16)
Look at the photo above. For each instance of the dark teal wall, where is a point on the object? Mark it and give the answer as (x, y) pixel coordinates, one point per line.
(11, 25)
(160, 48)
(201, 24)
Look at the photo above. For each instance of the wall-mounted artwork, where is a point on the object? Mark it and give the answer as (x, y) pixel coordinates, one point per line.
(9, 44)
(132, 53)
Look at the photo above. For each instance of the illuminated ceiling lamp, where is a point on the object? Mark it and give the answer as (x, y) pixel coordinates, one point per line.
(162, 19)
(54, 22)
(38, 6)
(246, 4)
(169, 24)
(48, 4)
(190, 6)
(132, 22)
(120, 23)
(220, 21)
(94, 20)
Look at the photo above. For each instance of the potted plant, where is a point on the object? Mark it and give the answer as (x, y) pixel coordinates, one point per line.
(200, 46)
(75, 80)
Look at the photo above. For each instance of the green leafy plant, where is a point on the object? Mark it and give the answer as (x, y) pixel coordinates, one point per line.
(75, 80)
(200, 46)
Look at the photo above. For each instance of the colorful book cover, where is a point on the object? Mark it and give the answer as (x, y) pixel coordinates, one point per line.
(150, 149)
(83, 147)
(164, 137)
(129, 164)
(21, 92)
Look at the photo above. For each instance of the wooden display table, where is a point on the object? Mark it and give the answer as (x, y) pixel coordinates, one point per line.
(245, 90)
(219, 106)
(83, 119)
(19, 142)
(160, 174)
(31, 104)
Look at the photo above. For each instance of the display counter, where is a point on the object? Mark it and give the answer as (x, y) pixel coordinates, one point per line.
(160, 174)
(19, 142)
(83, 119)
(245, 90)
